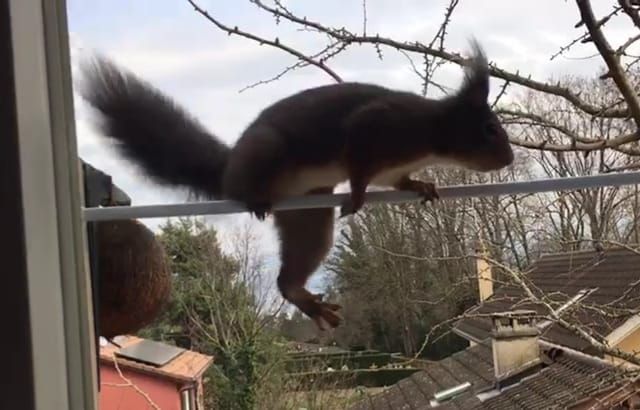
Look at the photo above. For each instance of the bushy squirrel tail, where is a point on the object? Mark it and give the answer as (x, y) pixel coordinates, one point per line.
(152, 131)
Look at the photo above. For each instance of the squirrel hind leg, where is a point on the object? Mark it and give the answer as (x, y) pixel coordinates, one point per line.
(306, 236)
(253, 170)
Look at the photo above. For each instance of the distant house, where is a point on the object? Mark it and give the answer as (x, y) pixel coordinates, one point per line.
(610, 277)
(516, 361)
(513, 370)
(141, 372)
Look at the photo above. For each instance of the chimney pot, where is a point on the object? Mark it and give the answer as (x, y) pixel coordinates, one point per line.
(485, 277)
(514, 343)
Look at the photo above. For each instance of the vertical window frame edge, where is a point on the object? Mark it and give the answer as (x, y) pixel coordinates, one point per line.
(63, 348)
(76, 285)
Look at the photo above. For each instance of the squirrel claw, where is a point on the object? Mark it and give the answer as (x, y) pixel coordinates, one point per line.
(426, 190)
(344, 212)
(328, 315)
(347, 209)
(325, 315)
(260, 210)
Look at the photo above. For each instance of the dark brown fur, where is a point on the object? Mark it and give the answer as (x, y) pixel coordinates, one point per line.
(307, 143)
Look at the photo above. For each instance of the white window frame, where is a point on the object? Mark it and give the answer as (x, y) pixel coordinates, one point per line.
(59, 291)
(63, 343)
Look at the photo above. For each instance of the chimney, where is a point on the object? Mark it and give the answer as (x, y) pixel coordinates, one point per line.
(514, 343)
(485, 276)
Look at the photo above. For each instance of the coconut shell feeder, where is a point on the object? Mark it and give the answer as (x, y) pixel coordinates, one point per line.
(135, 281)
(131, 279)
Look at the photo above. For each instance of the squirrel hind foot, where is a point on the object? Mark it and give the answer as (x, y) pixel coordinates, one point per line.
(325, 315)
(348, 208)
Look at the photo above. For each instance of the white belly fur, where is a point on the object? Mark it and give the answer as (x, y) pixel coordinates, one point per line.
(301, 182)
(314, 177)
(390, 176)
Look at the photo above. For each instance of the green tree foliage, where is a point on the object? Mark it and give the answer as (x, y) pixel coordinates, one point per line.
(196, 259)
(214, 311)
(392, 301)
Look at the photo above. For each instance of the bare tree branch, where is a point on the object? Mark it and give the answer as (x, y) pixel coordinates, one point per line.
(623, 48)
(630, 11)
(567, 47)
(342, 38)
(273, 43)
(629, 167)
(611, 58)
(431, 64)
(585, 36)
(539, 298)
(578, 143)
(503, 91)
(129, 383)
(323, 55)
(346, 36)
(577, 146)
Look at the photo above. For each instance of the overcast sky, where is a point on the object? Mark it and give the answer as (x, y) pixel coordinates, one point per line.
(169, 44)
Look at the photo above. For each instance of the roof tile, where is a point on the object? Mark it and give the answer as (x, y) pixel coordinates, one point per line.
(569, 378)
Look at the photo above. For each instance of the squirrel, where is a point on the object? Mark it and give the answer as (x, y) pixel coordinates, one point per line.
(305, 143)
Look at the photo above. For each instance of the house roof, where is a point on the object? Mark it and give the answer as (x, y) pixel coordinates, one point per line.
(474, 365)
(187, 366)
(613, 273)
(567, 378)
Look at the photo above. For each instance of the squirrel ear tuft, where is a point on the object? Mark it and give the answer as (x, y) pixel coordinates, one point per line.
(475, 88)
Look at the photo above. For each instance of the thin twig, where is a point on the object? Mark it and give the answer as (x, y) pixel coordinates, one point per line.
(585, 36)
(567, 47)
(502, 92)
(129, 383)
(325, 54)
(364, 17)
(623, 48)
(260, 40)
(345, 36)
(431, 64)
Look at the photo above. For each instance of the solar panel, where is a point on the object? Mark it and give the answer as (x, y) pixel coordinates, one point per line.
(150, 352)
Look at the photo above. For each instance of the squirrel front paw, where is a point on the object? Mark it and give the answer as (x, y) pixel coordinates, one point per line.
(427, 191)
(346, 209)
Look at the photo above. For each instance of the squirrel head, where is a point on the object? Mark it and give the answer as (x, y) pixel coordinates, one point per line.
(477, 139)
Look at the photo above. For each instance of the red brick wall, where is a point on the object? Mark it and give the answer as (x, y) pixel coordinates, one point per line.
(163, 393)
